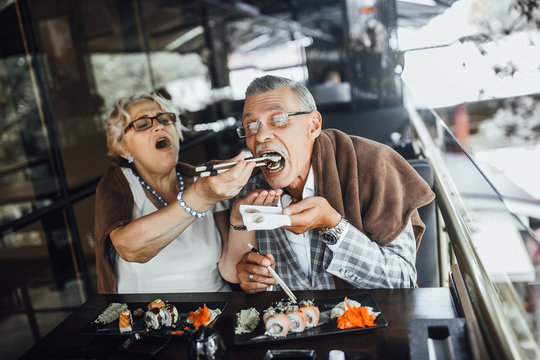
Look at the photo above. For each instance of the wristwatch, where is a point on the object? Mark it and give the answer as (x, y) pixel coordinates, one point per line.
(331, 235)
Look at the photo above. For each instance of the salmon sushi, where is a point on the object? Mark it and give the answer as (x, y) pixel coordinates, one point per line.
(277, 325)
(158, 303)
(297, 317)
(124, 321)
(312, 312)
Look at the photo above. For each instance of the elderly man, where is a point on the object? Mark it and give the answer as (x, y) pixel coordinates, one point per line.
(354, 219)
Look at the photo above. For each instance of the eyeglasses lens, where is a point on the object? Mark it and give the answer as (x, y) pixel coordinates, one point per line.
(166, 118)
(241, 132)
(142, 123)
(278, 120)
(146, 122)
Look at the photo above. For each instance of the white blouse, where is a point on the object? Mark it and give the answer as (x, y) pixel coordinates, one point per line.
(187, 264)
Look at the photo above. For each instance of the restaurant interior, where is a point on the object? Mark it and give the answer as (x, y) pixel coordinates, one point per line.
(63, 63)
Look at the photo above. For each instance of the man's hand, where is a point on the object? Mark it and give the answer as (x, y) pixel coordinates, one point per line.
(311, 213)
(257, 197)
(255, 265)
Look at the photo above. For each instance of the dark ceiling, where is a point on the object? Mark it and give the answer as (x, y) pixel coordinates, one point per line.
(278, 20)
(102, 24)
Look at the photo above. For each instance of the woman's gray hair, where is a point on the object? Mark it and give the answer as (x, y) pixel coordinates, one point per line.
(270, 82)
(119, 117)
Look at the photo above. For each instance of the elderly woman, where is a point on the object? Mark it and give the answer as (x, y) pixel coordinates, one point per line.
(157, 227)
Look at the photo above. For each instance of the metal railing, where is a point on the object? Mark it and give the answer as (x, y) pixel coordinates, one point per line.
(495, 326)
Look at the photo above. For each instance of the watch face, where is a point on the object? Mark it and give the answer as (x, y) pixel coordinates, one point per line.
(329, 238)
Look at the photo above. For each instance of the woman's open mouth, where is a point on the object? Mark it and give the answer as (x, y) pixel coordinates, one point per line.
(276, 163)
(162, 143)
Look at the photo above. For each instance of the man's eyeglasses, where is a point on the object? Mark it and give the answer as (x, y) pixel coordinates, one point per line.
(146, 122)
(276, 121)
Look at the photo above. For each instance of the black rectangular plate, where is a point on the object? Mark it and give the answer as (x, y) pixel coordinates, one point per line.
(290, 355)
(146, 345)
(184, 308)
(328, 328)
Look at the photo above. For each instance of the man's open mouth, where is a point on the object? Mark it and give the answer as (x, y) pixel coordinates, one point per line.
(162, 142)
(276, 164)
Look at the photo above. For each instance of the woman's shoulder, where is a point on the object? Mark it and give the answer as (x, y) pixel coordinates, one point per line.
(112, 177)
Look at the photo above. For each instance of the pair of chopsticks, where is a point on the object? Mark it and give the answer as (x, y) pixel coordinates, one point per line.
(276, 276)
(213, 170)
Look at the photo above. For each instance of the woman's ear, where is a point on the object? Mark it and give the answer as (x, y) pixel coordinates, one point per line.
(315, 123)
(123, 151)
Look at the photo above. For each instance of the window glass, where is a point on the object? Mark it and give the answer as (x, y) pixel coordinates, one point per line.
(503, 230)
(26, 176)
(43, 285)
(84, 215)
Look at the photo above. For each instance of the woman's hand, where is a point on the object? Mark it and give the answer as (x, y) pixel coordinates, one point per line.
(226, 185)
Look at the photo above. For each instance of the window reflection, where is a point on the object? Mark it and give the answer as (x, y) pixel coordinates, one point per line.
(26, 177)
(501, 223)
(84, 213)
(42, 286)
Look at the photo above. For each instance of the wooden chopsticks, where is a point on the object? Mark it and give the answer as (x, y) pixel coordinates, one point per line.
(276, 276)
(213, 170)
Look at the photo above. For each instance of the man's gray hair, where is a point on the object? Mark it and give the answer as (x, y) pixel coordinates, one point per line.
(270, 82)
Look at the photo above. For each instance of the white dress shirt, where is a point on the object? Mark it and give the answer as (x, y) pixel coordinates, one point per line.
(300, 243)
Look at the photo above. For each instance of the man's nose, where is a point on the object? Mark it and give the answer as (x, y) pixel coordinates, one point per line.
(264, 133)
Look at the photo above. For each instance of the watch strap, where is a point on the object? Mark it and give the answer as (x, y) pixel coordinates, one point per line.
(331, 235)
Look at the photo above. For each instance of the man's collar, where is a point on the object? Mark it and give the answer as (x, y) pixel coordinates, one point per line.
(310, 182)
(308, 189)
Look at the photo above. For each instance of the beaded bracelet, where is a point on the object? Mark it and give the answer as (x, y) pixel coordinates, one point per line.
(187, 208)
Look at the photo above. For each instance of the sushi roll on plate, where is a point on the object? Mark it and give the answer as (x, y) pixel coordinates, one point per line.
(297, 317)
(158, 303)
(171, 309)
(124, 321)
(312, 312)
(154, 317)
(277, 325)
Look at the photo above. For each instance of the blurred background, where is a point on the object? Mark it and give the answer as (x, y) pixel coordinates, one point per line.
(472, 63)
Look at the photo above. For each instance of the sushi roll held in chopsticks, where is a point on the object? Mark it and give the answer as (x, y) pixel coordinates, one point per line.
(124, 321)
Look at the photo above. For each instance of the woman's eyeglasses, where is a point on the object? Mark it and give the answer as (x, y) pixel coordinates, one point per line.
(276, 121)
(146, 122)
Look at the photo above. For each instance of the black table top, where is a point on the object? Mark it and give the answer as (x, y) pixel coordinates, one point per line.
(391, 342)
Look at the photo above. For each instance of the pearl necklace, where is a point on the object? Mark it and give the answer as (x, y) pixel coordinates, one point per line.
(153, 192)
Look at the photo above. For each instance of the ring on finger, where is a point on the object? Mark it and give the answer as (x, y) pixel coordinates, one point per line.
(251, 277)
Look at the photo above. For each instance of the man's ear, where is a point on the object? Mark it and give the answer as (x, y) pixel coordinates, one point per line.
(315, 123)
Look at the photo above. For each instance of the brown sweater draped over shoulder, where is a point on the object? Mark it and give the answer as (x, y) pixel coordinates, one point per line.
(370, 184)
(113, 209)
